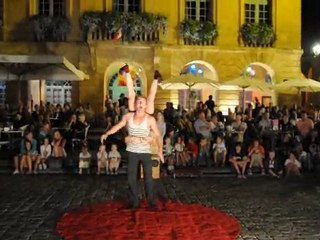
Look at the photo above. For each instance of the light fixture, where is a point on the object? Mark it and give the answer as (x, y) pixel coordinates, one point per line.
(316, 49)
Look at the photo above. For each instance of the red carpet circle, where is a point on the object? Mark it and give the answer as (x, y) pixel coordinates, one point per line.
(171, 220)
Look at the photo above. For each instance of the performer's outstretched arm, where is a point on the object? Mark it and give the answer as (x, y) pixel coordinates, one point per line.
(115, 128)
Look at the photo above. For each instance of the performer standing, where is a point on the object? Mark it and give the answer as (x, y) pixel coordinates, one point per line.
(139, 124)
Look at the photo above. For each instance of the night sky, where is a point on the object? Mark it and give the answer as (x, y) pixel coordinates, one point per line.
(310, 23)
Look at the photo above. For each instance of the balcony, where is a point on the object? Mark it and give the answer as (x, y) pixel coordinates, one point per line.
(257, 35)
(50, 28)
(128, 27)
(195, 32)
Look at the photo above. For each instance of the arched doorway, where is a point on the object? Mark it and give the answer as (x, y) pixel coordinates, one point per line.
(115, 83)
(117, 87)
(202, 69)
(260, 72)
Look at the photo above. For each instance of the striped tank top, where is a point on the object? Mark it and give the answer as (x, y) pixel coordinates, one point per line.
(138, 130)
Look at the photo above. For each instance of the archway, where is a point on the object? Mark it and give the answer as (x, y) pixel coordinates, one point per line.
(261, 72)
(115, 84)
(202, 69)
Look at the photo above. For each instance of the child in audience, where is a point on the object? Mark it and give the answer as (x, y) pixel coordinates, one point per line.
(219, 152)
(26, 157)
(239, 161)
(103, 161)
(169, 153)
(292, 165)
(256, 155)
(84, 159)
(114, 159)
(29, 156)
(45, 153)
(204, 155)
(58, 145)
(272, 165)
(193, 150)
(180, 152)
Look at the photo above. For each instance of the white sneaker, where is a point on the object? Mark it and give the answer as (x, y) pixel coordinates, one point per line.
(16, 172)
(80, 171)
(44, 166)
(40, 166)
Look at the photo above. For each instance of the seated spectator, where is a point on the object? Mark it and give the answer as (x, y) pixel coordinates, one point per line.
(292, 165)
(179, 147)
(45, 153)
(18, 122)
(102, 158)
(239, 127)
(256, 155)
(84, 159)
(239, 161)
(169, 155)
(193, 150)
(219, 152)
(58, 145)
(80, 126)
(114, 160)
(202, 126)
(204, 152)
(44, 131)
(272, 165)
(29, 154)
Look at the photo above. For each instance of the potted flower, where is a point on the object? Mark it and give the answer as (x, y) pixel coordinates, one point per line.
(257, 34)
(197, 32)
(60, 28)
(90, 22)
(41, 26)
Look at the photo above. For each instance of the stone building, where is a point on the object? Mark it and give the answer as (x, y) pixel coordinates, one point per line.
(218, 38)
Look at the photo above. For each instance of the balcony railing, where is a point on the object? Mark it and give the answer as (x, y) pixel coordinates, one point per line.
(50, 28)
(129, 27)
(195, 32)
(257, 35)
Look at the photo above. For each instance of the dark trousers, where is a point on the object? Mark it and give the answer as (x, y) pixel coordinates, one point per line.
(133, 166)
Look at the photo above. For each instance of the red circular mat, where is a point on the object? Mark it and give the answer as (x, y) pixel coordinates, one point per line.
(171, 220)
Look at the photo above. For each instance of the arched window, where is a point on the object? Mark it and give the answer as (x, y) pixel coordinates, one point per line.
(52, 7)
(200, 10)
(258, 11)
(58, 92)
(126, 5)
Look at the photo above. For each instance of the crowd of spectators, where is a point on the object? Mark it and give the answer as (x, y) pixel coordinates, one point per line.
(261, 139)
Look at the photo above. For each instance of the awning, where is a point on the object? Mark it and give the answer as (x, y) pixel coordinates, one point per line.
(38, 67)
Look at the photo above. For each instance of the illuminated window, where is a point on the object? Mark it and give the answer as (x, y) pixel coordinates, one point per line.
(2, 94)
(200, 10)
(257, 11)
(126, 5)
(52, 7)
(58, 92)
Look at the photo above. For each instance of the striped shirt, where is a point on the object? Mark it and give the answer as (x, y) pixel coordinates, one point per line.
(138, 130)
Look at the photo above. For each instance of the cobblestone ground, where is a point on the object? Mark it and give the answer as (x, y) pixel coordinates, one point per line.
(267, 209)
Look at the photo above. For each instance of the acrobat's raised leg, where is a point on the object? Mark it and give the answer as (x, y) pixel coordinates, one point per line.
(152, 93)
(131, 93)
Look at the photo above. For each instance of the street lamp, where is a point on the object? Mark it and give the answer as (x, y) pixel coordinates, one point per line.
(316, 49)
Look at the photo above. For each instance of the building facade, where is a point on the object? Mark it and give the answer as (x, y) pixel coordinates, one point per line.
(218, 38)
